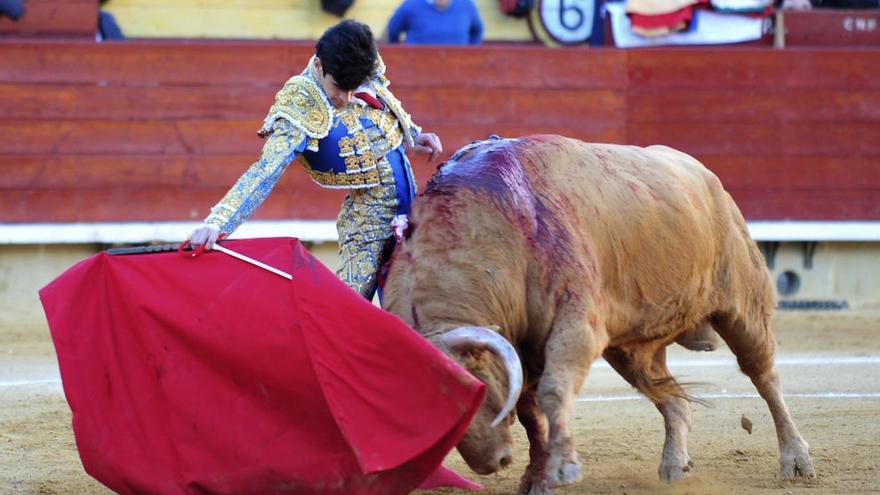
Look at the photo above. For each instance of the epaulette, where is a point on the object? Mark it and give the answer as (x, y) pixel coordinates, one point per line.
(302, 103)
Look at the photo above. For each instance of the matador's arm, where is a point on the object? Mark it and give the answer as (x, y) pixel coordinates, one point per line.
(252, 188)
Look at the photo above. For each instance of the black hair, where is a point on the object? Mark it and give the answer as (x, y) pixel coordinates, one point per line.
(348, 53)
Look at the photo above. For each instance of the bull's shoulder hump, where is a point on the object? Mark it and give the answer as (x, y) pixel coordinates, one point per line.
(482, 165)
(662, 151)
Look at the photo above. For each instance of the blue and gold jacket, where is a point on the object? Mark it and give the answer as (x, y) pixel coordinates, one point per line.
(339, 148)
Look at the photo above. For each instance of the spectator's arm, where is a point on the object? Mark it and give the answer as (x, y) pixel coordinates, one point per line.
(475, 34)
(398, 24)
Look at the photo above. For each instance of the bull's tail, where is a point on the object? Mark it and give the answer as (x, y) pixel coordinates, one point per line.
(652, 378)
(660, 390)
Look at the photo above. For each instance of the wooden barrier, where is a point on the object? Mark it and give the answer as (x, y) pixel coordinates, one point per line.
(56, 18)
(158, 130)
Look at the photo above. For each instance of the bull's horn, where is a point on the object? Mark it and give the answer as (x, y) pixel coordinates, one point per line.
(469, 337)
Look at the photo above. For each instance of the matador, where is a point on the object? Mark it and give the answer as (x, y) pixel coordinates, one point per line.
(349, 132)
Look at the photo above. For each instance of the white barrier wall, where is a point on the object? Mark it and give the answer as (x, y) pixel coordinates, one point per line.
(841, 271)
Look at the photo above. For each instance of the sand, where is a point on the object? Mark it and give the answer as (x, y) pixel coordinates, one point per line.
(830, 367)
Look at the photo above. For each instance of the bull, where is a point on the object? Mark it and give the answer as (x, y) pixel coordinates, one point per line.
(530, 258)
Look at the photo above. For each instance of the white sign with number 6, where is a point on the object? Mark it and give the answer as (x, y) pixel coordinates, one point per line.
(568, 22)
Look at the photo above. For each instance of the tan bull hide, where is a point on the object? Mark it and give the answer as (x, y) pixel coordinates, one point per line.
(574, 251)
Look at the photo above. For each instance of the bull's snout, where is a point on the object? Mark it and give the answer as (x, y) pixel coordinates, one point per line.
(500, 460)
(505, 460)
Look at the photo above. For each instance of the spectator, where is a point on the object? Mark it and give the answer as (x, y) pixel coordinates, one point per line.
(437, 22)
(12, 9)
(107, 27)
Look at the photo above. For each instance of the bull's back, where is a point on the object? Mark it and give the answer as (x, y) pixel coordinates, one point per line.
(655, 222)
(646, 207)
(634, 193)
(642, 225)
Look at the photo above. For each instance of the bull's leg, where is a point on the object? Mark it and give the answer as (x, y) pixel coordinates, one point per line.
(535, 423)
(571, 347)
(645, 369)
(754, 348)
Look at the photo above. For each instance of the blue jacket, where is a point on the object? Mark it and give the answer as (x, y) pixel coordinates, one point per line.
(425, 24)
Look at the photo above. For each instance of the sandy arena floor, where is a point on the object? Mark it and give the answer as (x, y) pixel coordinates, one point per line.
(830, 367)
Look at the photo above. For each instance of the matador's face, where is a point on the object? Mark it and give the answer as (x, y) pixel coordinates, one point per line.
(338, 97)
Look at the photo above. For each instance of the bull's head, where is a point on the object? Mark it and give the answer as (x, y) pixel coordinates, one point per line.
(487, 444)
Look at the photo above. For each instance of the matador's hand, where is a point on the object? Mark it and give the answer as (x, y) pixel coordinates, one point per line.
(206, 234)
(428, 142)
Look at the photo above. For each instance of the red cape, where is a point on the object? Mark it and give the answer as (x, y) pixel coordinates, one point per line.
(210, 375)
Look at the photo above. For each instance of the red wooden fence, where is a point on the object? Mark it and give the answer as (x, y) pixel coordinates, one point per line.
(158, 130)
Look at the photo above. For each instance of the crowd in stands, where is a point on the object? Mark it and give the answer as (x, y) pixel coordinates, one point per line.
(458, 22)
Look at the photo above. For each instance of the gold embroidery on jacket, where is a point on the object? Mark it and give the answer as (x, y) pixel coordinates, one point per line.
(302, 103)
(364, 225)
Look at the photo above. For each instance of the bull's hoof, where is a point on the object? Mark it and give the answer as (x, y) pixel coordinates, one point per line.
(797, 465)
(674, 470)
(564, 472)
(534, 487)
(532, 479)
